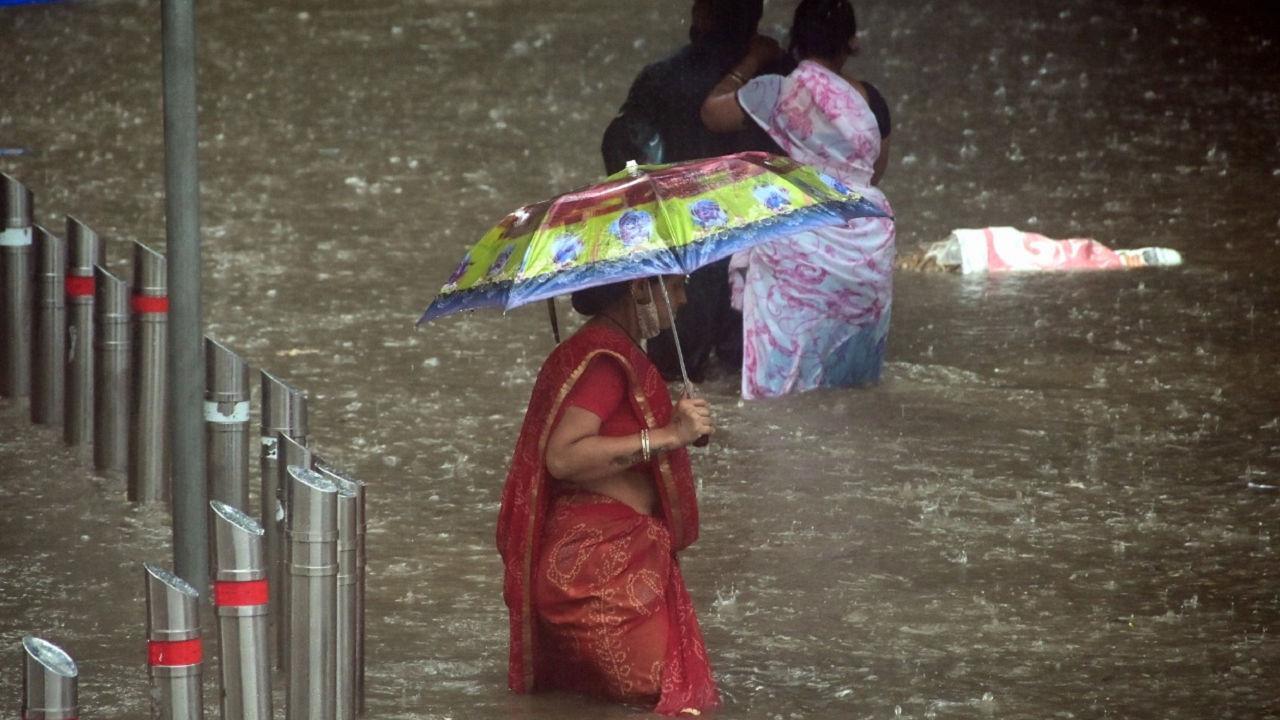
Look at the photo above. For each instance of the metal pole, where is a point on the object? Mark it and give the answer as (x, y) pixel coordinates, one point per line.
(291, 452)
(240, 594)
(345, 643)
(84, 250)
(226, 423)
(49, 333)
(313, 573)
(350, 605)
(175, 652)
(111, 373)
(49, 678)
(182, 233)
(284, 409)
(15, 296)
(148, 466)
(362, 561)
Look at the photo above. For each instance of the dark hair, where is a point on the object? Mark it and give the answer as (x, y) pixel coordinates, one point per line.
(822, 28)
(734, 21)
(594, 299)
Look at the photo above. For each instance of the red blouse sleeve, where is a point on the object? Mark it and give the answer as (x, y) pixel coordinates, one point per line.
(601, 388)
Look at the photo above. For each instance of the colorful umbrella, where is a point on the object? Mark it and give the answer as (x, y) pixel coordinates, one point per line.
(643, 221)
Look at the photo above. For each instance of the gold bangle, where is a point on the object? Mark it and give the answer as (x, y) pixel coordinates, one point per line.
(737, 76)
(644, 445)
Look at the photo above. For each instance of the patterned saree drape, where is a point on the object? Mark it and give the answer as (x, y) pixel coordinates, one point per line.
(596, 600)
(816, 305)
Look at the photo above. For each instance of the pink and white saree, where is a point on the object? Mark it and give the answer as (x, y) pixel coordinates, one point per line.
(816, 305)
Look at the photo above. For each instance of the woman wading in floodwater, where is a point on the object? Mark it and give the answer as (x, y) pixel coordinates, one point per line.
(815, 305)
(598, 500)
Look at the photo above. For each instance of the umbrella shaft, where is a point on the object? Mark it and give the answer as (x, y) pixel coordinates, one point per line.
(675, 336)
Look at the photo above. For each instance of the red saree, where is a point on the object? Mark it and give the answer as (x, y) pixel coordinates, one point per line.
(596, 600)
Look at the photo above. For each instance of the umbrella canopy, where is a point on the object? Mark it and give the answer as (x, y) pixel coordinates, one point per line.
(643, 221)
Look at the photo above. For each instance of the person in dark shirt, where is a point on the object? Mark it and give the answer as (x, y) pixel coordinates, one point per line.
(660, 122)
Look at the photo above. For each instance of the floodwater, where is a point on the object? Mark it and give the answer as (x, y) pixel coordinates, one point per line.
(1061, 502)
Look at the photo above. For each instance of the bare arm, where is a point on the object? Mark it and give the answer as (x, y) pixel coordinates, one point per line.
(720, 111)
(577, 453)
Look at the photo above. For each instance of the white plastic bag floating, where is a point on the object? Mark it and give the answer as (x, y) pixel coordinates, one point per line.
(1007, 249)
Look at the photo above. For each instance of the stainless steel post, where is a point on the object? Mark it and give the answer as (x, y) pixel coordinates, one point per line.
(148, 459)
(362, 562)
(313, 574)
(111, 372)
(15, 295)
(240, 594)
(49, 678)
(84, 250)
(175, 652)
(289, 452)
(49, 331)
(351, 523)
(284, 409)
(226, 423)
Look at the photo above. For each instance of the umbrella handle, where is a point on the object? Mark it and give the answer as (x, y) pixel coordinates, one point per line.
(703, 440)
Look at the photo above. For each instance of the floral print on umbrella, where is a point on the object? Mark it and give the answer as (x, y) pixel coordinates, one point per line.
(565, 249)
(499, 263)
(459, 271)
(835, 184)
(633, 227)
(708, 214)
(774, 197)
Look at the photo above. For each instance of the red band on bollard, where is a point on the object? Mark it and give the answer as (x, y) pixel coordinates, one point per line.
(240, 594)
(150, 304)
(79, 286)
(176, 653)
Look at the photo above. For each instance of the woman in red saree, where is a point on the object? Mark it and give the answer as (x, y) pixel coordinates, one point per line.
(598, 501)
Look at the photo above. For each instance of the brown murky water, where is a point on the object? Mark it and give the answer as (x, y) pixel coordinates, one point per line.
(1061, 501)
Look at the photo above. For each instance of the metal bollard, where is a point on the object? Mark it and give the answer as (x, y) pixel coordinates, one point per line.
(49, 678)
(240, 594)
(226, 418)
(175, 652)
(351, 527)
(84, 250)
(362, 561)
(346, 643)
(284, 409)
(15, 295)
(148, 459)
(111, 372)
(313, 575)
(290, 452)
(49, 330)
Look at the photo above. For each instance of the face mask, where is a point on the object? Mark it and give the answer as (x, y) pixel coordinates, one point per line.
(647, 315)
